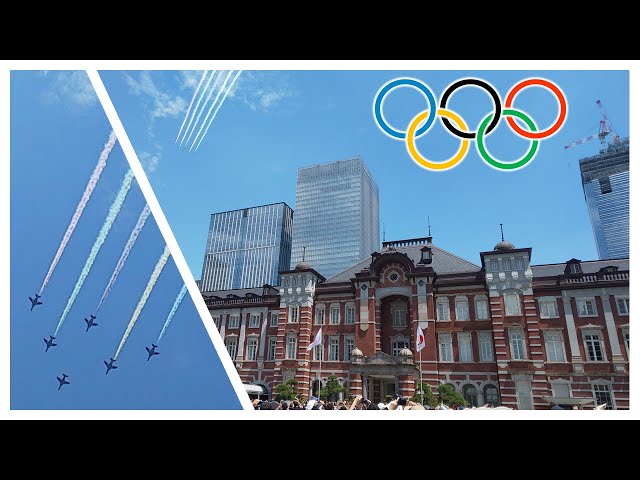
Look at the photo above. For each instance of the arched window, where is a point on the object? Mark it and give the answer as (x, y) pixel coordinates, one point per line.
(491, 395)
(470, 395)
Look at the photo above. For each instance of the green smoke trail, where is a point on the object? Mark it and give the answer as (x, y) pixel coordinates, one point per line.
(145, 295)
(102, 236)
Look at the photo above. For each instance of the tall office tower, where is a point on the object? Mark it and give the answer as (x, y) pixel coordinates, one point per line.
(337, 219)
(247, 248)
(605, 181)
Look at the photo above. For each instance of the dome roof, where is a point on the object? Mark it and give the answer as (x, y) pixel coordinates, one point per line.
(405, 352)
(503, 246)
(303, 266)
(356, 352)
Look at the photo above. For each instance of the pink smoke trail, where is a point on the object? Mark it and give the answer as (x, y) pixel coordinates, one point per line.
(93, 181)
(195, 94)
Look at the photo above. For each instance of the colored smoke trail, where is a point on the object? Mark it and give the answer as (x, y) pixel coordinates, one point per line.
(213, 89)
(173, 311)
(125, 253)
(93, 181)
(204, 74)
(224, 84)
(195, 110)
(102, 236)
(145, 295)
(219, 105)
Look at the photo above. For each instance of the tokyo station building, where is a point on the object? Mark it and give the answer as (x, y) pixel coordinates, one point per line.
(503, 332)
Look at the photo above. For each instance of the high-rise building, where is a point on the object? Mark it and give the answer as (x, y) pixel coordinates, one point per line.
(247, 248)
(337, 216)
(605, 181)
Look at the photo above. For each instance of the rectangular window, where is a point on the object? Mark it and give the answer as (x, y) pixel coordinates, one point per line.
(335, 315)
(623, 306)
(516, 339)
(319, 316)
(397, 346)
(462, 309)
(334, 349)
(254, 321)
(586, 308)
(318, 353)
(446, 350)
(349, 345)
(512, 304)
(519, 264)
(271, 355)
(625, 335)
(443, 310)
(350, 315)
(232, 347)
(485, 342)
(603, 395)
(292, 343)
(524, 395)
(399, 317)
(493, 266)
(554, 345)
(216, 321)
(593, 346)
(465, 350)
(234, 321)
(548, 308)
(561, 390)
(293, 313)
(274, 319)
(252, 349)
(574, 268)
(506, 265)
(482, 310)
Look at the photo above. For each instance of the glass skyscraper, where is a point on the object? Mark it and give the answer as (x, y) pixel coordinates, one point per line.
(337, 216)
(247, 248)
(605, 181)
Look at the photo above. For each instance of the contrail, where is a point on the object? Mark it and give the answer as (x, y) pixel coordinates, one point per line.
(104, 231)
(204, 74)
(93, 181)
(173, 311)
(145, 295)
(125, 253)
(219, 105)
(213, 89)
(213, 72)
(224, 84)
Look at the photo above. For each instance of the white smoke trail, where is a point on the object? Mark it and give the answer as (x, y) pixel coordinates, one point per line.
(173, 311)
(145, 295)
(213, 89)
(93, 181)
(125, 253)
(219, 105)
(224, 84)
(204, 74)
(195, 110)
(104, 231)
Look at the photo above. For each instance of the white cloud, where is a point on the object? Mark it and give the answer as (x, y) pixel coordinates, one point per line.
(189, 79)
(160, 104)
(71, 87)
(149, 161)
(263, 90)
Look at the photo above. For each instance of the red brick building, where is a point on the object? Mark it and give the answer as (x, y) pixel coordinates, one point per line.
(502, 332)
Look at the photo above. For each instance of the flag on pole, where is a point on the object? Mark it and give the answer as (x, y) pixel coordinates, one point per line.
(420, 342)
(317, 341)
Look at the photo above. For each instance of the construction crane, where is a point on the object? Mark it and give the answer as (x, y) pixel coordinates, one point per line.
(606, 128)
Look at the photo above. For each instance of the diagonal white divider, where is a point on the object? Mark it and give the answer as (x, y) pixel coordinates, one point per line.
(169, 238)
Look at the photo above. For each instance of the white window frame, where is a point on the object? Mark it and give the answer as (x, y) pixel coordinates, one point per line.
(274, 315)
(494, 266)
(464, 340)
(508, 313)
(445, 339)
(516, 331)
(399, 320)
(294, 313)
(334, 308)
(593, 332)
(625, 299)
(547, 301)
(347, 351)
(248, 356)
(333, 341)
(272, 341)
(485, 301)
(580, 301)
(484, 392)
(318, 353)
(609, 387)
(289, 337)
(485, 338)
(254, 320)
(463, 301)
(320, 316)
(574, 268)
(397, 344)
(625, 339)
(216, 321)
(445, 302)
(548, 339)
(519, 263)
(506, 265)
(349, 314)
(234, 321)
(234, 340)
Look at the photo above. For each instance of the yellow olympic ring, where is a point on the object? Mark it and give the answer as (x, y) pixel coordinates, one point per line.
(424, 162)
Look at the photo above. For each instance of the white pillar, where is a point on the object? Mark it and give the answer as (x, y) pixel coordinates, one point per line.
(576, 359)
(618, 360)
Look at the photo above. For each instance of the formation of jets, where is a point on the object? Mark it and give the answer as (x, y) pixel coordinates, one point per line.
(35, 301)
(63, 381)
(90, 323)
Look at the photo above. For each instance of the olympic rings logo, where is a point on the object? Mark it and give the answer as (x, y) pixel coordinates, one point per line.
(458, 128)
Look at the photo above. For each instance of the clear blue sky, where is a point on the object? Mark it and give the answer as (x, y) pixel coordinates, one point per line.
(275, 122)
(57, 131)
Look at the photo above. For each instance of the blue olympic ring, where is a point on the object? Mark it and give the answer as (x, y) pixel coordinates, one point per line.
(377, 107)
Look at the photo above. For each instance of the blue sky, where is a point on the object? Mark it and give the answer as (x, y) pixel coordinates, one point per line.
(274, 122)
(57, 131)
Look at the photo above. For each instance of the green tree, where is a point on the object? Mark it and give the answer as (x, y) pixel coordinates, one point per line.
(331, 390)
(429, 398)
(286, 390)
(448, 396)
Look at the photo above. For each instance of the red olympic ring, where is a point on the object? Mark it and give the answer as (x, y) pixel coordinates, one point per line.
(561, 99)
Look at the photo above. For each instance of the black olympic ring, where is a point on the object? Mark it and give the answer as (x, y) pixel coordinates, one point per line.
(478, 83)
